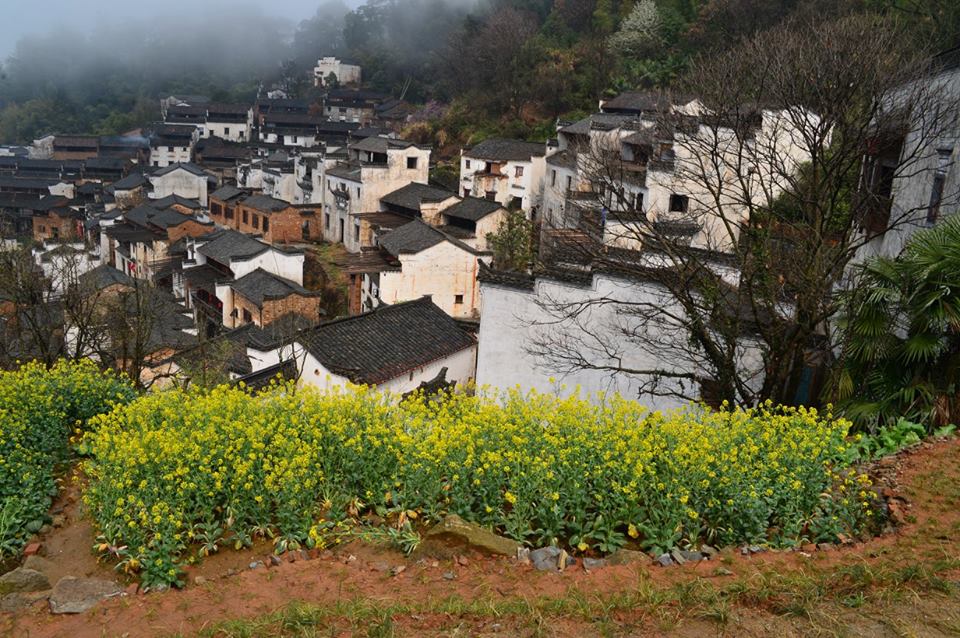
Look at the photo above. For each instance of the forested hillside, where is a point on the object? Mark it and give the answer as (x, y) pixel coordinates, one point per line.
(503, 66)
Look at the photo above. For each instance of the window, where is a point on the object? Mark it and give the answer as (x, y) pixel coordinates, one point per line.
(326, 221)
(491, 195)
(679, 203)
(518, 172)
(341, 229)
(256, 220)
(247, 317)
(245, 217)
(939, 179)
(228, 212)
(266, 225)
(569, 182)
(638, 202)
(466, 192)
(226, 130)
(457, 300)
(553, 177)
(412, 163)
(356, 232)
(467, 164)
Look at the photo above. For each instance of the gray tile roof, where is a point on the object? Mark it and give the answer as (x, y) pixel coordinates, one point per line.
(599, 121)
(413, 194)
(226, 193)
(472, 208)
(377, 144)
(503, 150)
(265, 203)
(190, 167)
(385, 343)
(260, 286)
(411, 238)
(170, 200)
(105, 276)
(133, 180)
(225, 245)
(417, 236)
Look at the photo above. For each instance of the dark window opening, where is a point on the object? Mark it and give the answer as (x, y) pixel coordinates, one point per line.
(256, 220)
(245, 217)
(412, 162)
(266, 225)
(247, 317)
(457, 299)
(679, 203)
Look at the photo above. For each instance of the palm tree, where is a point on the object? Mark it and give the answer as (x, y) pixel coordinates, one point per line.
(902, 335)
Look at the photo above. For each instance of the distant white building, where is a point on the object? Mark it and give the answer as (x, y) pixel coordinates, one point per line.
(343, 72)
(184, 179)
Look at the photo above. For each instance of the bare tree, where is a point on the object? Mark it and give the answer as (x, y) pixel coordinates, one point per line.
(760, 194)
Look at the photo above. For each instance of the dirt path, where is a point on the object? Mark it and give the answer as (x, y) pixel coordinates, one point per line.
(902, 584)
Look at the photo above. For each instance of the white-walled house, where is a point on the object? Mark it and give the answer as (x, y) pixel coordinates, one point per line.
(184, 179)
(659, 158)
(395, 348)
(430, 262)
(224, 256)
(520, 323)
(172, 143)
(343, 72)
(375, 167)
(915, 177)
(506, 171)
(231, 122)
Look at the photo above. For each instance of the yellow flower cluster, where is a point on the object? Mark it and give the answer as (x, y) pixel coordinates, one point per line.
(39, 408)
(186, 467)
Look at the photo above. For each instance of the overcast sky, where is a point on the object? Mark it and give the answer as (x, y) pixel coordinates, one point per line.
(23, 17)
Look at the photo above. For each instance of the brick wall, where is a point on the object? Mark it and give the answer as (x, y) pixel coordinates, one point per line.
(54, 227)
(272, 310)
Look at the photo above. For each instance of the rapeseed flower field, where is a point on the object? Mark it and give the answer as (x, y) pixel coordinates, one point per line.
(39, 410)
(178, 474)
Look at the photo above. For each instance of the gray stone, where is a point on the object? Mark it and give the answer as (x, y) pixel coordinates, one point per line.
(627, 556)
(199, 580)
(22, 579)
(274, 560)
(11, 603)
(722, 571)
(546, 558)
(756, 549)
(449, 576)
(76, 595)
(594, 563)
(456, 532)
(688, 555)
(256, 564)
(709, 551)
(38, 564)
(664, 560)
(399, 569)
(380, 566)
(678, 557)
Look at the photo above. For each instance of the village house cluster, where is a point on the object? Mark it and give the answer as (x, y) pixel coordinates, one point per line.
(242, 218)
